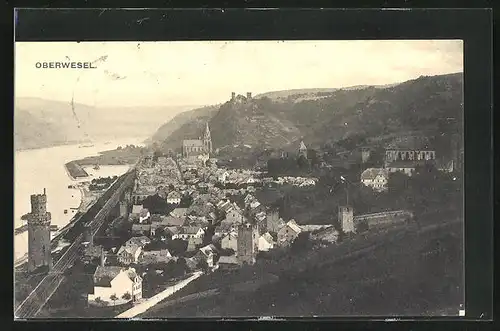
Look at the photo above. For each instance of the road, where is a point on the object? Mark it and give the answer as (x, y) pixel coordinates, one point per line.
(148, 303)
(35, 301)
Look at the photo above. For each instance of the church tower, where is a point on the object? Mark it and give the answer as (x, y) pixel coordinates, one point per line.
(39, 233)
(302, 149)
(207, 140)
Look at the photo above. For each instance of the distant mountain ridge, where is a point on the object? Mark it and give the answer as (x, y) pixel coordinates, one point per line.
(311, 93)
(430, 105)
(42, 123)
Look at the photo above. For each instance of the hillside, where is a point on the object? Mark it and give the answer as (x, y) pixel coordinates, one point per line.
(426, 106)
(44, 123)
(402, 272)
(190, 121)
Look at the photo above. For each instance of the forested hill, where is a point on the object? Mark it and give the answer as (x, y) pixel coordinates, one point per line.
(429, 105)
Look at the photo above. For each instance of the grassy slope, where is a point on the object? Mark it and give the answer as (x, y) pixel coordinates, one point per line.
(405, 272)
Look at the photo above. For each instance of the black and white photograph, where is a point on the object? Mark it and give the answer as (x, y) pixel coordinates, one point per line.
(255, 179)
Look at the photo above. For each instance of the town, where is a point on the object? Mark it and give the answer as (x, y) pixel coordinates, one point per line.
(189, 215)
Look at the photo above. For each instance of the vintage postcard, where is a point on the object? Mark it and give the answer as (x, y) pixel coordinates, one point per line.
(239, 179)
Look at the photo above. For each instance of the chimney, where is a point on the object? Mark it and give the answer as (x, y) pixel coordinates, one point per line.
(102, 257)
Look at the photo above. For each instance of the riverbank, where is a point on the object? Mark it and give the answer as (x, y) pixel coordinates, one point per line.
(37, 169)
(119, 156)
(75, 170)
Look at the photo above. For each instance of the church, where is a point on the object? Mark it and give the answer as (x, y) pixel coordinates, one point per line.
(196, 148)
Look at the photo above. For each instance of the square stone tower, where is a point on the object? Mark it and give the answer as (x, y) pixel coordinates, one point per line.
(39, 252)
(346, 219)
(248, 243)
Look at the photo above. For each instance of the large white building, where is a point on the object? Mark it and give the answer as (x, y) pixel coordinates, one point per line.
(111, 282)
(376, 178)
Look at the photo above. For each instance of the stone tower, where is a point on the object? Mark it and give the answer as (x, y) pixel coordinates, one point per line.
(249, 95)
(346, 219)
(248, 243)
(39, 233)
(302, 149)
(233, 96)
(207, 140)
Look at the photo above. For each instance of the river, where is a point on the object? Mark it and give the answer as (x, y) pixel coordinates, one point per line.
(37, 169)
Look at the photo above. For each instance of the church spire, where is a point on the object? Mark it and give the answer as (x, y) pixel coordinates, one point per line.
(206, 135)
(207, 139)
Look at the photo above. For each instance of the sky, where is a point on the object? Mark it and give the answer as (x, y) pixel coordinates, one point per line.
(206, 72)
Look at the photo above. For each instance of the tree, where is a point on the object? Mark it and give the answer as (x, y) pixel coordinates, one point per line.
(202, 265)
(114, 298)
(312, 155)
(98, 300)
(301, 243)
(178, 247)
(302, 162)
(126, 296)
(155, 204)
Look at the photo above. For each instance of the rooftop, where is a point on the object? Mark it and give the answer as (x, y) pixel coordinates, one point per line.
(228, 260)
(104, 275)
(371, 173)
(294, 226)
(192, 143)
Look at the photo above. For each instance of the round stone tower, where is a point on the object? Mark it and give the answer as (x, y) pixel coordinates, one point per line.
(39, 233)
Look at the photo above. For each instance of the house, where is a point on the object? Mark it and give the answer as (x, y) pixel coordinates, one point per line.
(405, 167)
(179, 212)
(191, 263)
(111, 282)
(155, 257)
(174, 198)
(171, 231)
(234, 216)
(93, 252)
(136, 210)
(288, 233)
(207, 254)
(228, 262)
(187, 232)
(144, 215)
(128, 254)
(172, 221)
(193, 243)
(138, 241)
(225, 228)
(375, 178)
(230, 241)
(261, 220)
(141, 229)
(266, 242)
